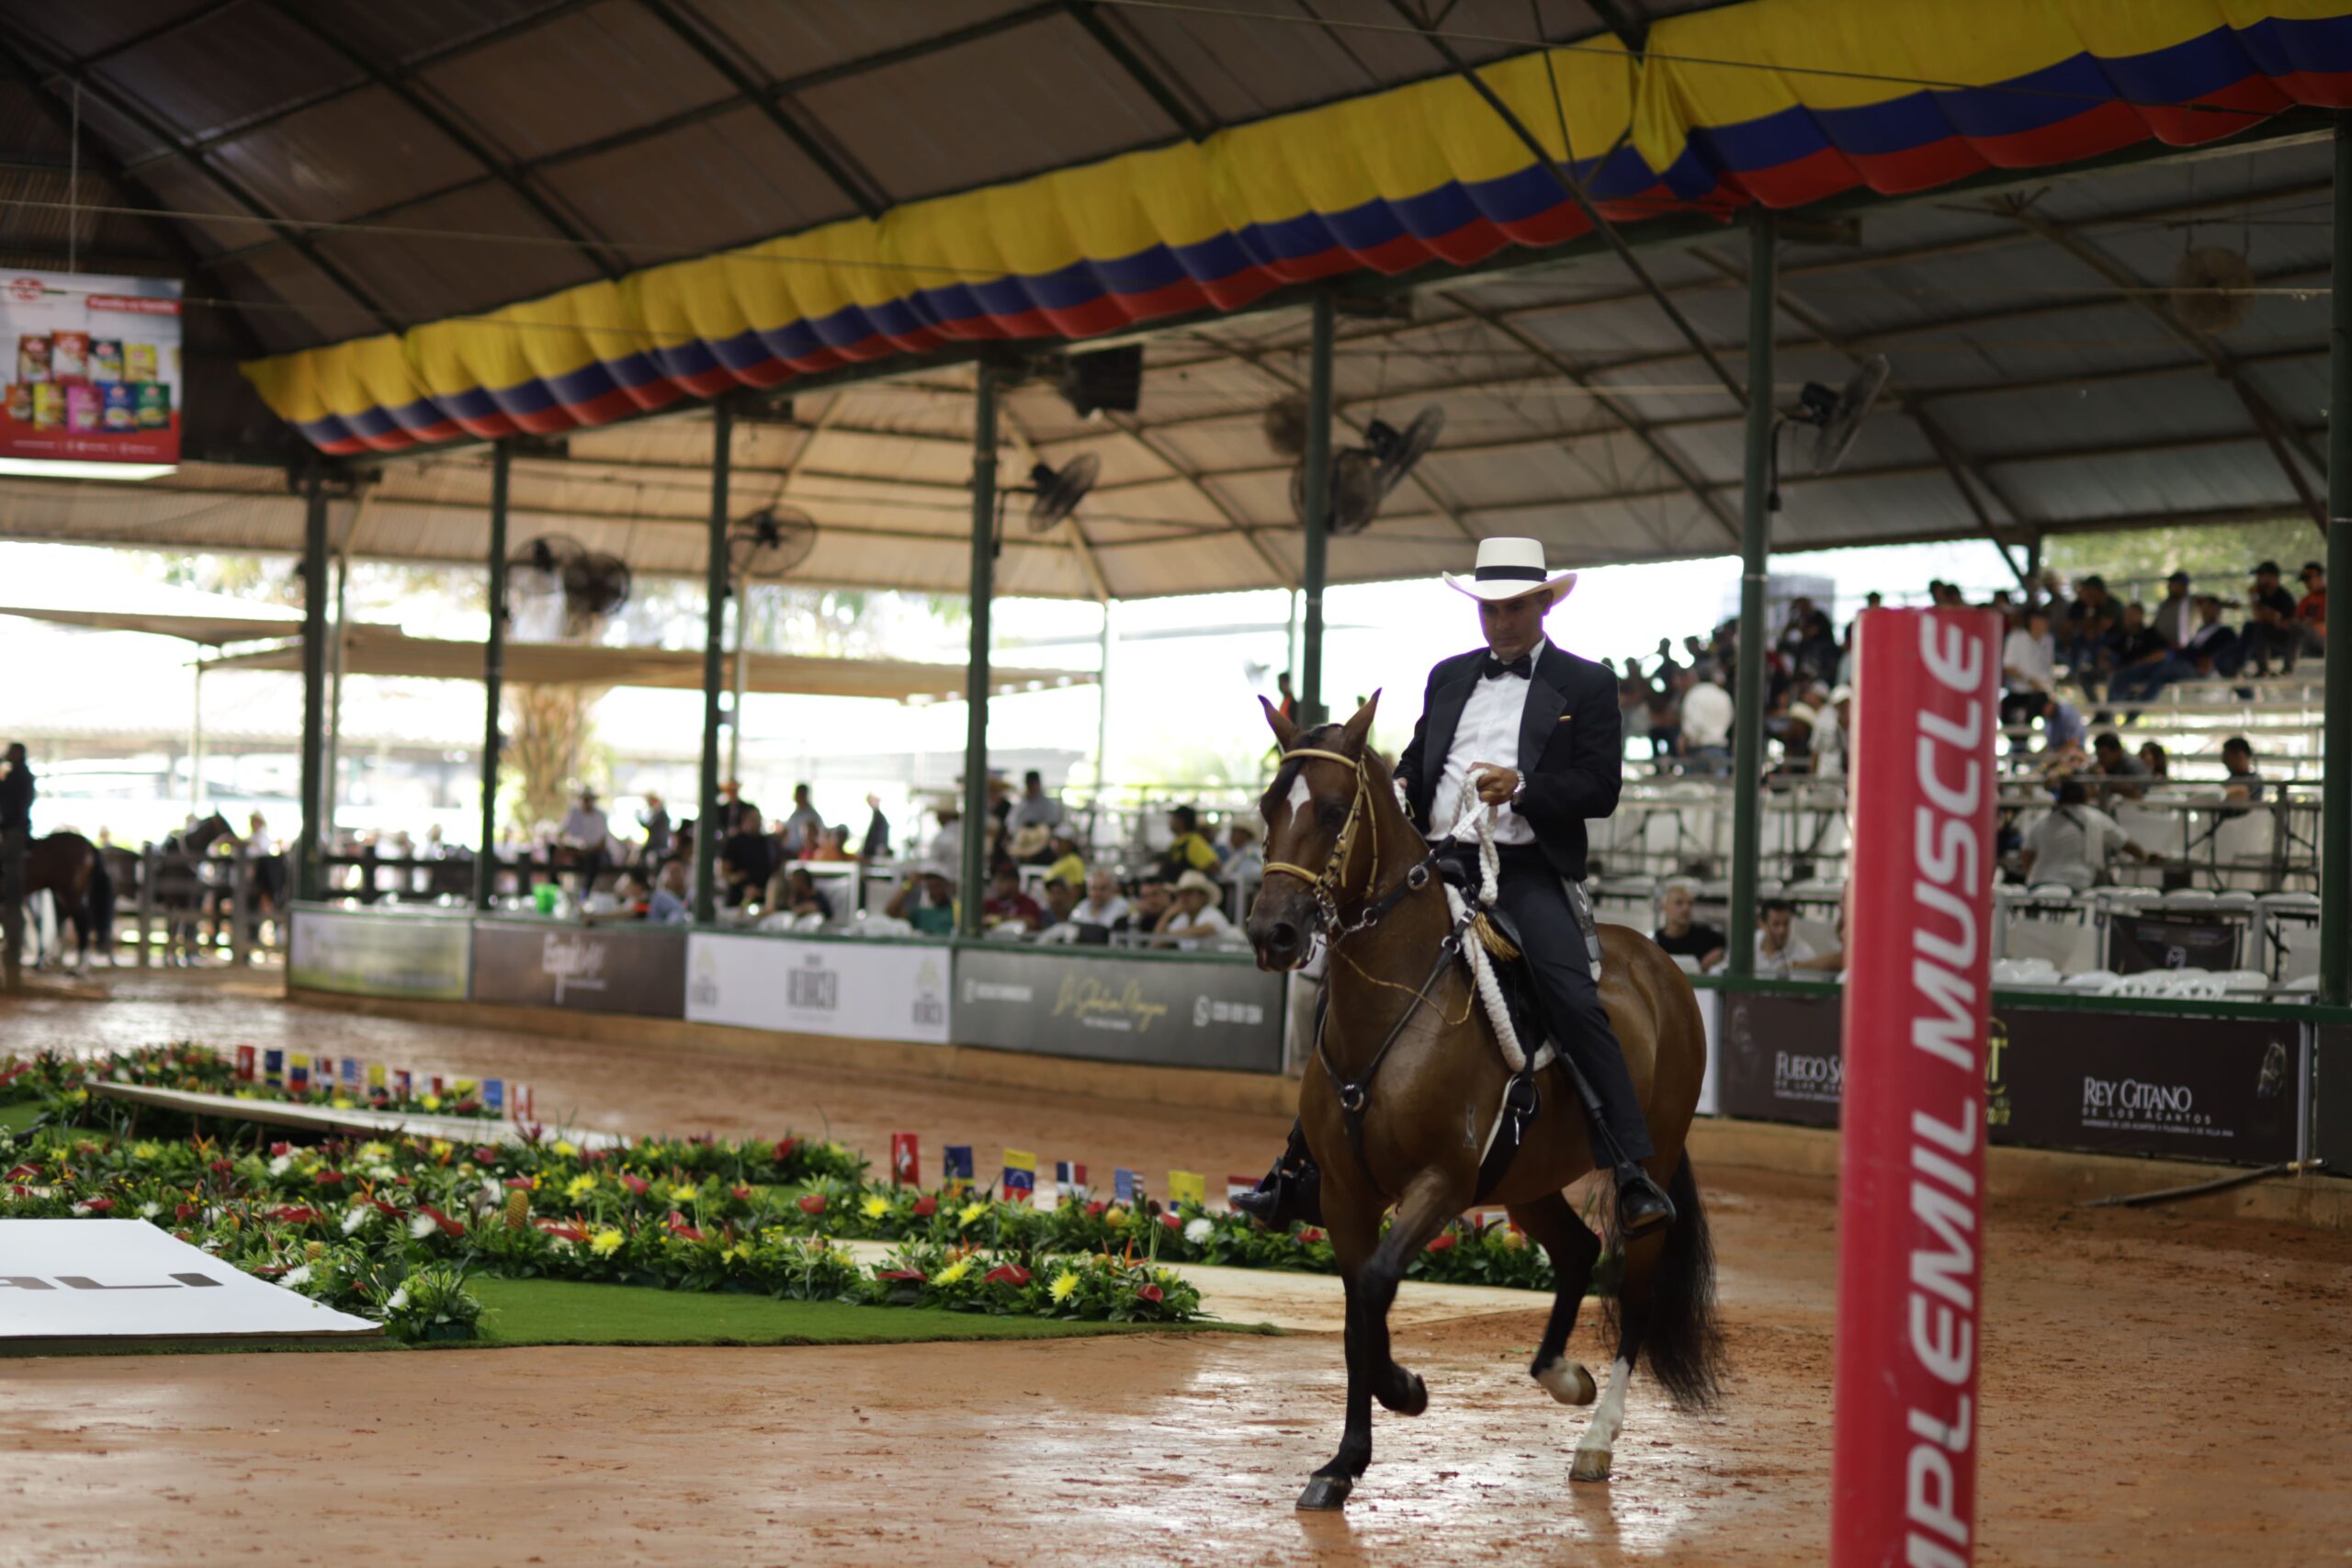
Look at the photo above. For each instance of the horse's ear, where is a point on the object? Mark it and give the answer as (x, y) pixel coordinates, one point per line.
(1284, 731)
(1361, 726)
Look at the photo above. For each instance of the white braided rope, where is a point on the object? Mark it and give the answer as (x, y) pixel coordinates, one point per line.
(1481, 965)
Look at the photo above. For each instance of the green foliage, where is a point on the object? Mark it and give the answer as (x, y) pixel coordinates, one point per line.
(2216, 559)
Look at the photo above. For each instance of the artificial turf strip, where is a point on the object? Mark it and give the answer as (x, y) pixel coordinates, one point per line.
(17, 1118)
(518, 1312)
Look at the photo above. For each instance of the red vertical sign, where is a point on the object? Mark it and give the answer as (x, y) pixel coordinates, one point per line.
(1918, 972)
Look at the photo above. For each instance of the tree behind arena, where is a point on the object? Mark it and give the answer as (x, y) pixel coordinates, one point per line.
(2215, 557)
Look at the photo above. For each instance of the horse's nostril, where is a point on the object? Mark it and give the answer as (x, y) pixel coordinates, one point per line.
(1284, 936)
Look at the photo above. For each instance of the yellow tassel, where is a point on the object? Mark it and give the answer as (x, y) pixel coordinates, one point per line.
(1497, 946)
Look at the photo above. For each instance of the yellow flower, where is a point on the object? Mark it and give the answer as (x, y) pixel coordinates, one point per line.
(605, 1243)
(971, 1211)
(145, 1150)
(463, 1088)
(432, 1102)
(953, 1272)
(875, 1206)
(579, 1187)
(565, 1147)
(1114, 1217)
(375, 1154)
(1064, 1283)
(685, 1192)
(441, 1148)
(343, 1102)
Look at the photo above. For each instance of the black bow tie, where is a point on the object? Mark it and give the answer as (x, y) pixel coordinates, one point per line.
(1523, 667)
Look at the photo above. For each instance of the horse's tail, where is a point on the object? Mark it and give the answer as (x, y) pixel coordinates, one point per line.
(1684, 1338)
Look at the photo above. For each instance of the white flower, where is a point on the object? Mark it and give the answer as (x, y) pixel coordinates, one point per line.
(1199, 1231)
(400, 1300)
(355, 1217)
(279, 1166)
(81, 1208)
(379, 1172)
(422, 1226)
(149, 1209)
(299, 1277)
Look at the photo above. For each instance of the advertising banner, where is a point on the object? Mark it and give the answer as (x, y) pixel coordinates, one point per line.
(2136, 943)
(631, 969)
(1777, 1056)
(95, 372)
(378, 955)
(864, 990)
(1115, 1008)
(1919, 986)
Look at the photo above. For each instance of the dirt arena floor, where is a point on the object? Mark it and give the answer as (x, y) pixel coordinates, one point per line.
(2158, 1389)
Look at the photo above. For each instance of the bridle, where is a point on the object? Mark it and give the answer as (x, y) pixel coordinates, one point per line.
(1324, 884)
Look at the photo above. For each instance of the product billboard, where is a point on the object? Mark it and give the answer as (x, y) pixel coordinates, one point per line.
(1119, 1008)
(631, 969)
(94, 367)
(863, 991)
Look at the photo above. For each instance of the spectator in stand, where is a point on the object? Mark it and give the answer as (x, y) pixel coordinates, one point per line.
(1832, 731)
(1701, 659)
(736, 815)
(2089, 623)
(803, 830)
(630, 901)
(926, 901)
(655, 820)
(1795, 733)
(1663, 722)
(667, 906)
(878, 832)
(2073, 844)
(2271, 633)
(1705, 730)
(2239, 781)
(1006, 901)
(2115, 774)
(1286, 700)
(1817, 652)
(1669, 667)
(832, 844)
(1066, 862)
(947, 844)
(1151, 905)
(1036, 808)
(1061, 903)
(1031, 845)
(2144, 662)
(2175, 618)
(794, 892)
(587, 832)
(1195, 918)
(1191, 851)
(1781, 952)
(1683, 937)
(1797, 627)
(2154, 758)
(2213, 648)
(1245, 866)
(2029, 672)
(2311, 610)
(1102, 906)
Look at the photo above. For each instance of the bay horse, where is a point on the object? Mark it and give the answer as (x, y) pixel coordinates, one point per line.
(62, 865)
(1437, 1086)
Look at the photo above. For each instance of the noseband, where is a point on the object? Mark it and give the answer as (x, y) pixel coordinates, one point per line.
(1325, 884)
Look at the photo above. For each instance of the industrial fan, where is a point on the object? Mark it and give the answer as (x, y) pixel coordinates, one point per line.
(1361, 477)
(1056, 492)
(574, 586)
(767, 545)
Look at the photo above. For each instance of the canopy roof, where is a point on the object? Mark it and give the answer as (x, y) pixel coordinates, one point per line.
(373, 649)
(188, 626)
(2044, 380)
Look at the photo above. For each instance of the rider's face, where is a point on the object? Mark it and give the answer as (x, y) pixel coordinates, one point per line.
(1514, 626)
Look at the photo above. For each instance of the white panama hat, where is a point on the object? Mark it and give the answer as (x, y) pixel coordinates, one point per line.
(1511, 569)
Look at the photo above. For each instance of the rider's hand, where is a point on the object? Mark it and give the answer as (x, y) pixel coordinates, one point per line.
(1496, 783)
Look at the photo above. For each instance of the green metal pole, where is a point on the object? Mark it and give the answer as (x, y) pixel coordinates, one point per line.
(2336, 761)
(493, 682)
(1318, 511)
(714, 663)
(1754, 541)
(308, 847)
(976, 687)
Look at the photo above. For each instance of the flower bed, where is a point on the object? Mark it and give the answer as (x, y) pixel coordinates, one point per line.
(202, 1070)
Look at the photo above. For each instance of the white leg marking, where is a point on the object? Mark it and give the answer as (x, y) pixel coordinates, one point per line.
(1566, 1381)
(1600, 1433)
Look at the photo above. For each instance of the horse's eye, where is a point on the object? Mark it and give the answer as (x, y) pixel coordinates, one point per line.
(1333, 815)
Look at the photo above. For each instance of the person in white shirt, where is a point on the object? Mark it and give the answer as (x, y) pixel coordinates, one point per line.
(2028, 670)
(587, 832)
(1102, 906)
(1706, 727)
(1833, 731)
(1781, 952)
(2073, 844)
(1195, 919)
(1035, 808)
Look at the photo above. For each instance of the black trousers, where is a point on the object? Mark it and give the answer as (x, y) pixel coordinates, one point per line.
(1529, 892)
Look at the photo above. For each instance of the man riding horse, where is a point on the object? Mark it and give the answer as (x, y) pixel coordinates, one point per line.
(1540, 730)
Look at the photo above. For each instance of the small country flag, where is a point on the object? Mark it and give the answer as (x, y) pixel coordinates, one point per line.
(403, 1085)
(494, 1094)
(375, 1075)
(957, 1170)
(244, 1064)
(1124, 1185)
(524, 1104)
(1069, 1178)
(906, 1160)
(1019, 1174)
(351, 1071)
(273, 1066)
(1188, 1187)
(298, 1073)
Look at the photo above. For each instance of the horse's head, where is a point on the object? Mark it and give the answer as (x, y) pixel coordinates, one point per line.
(199, 840)
(1318, 816)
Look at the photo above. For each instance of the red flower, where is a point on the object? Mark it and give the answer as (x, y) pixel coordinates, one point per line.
(447, 1225)
(784, 1147)
(222, 1167)
(741, 1194)
(100, 1205)
(568, 1232)
(1094, 1207)
(184, 1212)
(485, 1154)
(1007, 1274)
(329, 1178)
(384, 1208)
(521, 1184)
(636, 1184)
(812, 1204)
(1309, 1233)
(1148, 1293)
(679, 1227)
(592, 1156)
(1172, 1219)
(277, 1149)
(914, 1274)
(1441, 1242)
(294, 1214)
(925, 1206)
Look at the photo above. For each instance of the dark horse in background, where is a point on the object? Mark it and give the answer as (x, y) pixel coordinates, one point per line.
(1432, 1078)
(66, 867)
(182, 894)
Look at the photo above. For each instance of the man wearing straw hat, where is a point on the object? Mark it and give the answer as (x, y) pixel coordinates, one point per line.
(1521, 703)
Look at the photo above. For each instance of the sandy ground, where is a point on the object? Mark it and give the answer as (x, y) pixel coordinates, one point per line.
(2157, 1388)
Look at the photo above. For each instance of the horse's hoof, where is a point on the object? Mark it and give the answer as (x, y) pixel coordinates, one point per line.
(1409, 1397)
(1568, 1382)
(1326, 1494)
(1592, 1464)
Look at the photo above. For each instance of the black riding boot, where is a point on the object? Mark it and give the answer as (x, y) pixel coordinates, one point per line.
(1642, 1204)
(1292, 1191)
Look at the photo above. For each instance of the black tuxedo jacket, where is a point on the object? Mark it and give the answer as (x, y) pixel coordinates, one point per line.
(1571, 748)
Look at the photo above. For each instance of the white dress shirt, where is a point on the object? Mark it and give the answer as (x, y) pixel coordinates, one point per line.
(1487, 732)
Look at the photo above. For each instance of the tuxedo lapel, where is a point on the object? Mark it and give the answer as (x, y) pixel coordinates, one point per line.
(1546, 700)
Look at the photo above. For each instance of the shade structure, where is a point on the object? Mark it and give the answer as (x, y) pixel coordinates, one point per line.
(373, 649)
(211, 630)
